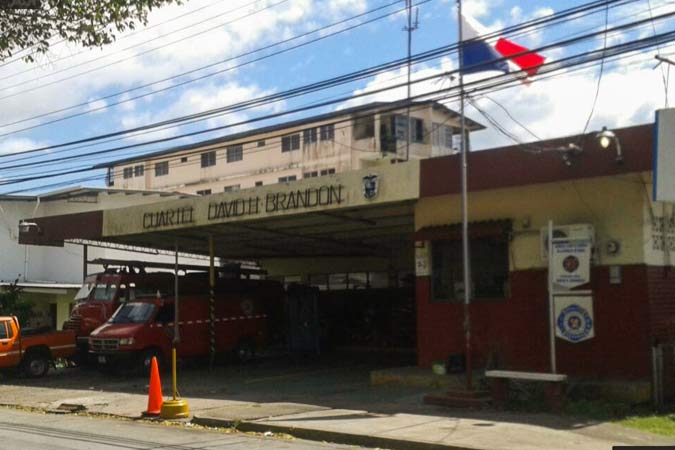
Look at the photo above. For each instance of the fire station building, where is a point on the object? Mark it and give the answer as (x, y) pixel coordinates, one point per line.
(382, 245)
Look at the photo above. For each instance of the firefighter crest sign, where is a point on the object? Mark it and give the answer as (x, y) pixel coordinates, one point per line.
(371, 185)
(574, 318)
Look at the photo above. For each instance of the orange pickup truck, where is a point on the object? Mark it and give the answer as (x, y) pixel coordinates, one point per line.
(33, 354)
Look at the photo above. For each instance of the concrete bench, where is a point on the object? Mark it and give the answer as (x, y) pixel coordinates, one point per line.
(553, 389)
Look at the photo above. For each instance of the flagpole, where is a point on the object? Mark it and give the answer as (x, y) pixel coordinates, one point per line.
(465, 211)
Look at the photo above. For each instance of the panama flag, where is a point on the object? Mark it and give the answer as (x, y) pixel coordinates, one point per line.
(479, 55)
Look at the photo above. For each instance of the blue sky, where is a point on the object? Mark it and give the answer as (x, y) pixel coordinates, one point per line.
(629, 92)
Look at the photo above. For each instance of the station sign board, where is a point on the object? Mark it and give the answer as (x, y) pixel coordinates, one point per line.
(352, 189)
(571, 263)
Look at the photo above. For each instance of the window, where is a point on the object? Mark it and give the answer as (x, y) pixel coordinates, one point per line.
(310, 174)
(204, 192)
(442, 136)
(162, 168)
(3, 330)
(327, 172)
(235, 153)
(489, 269)
(287, 179)
(184, 159)
(364, 127)
(417, 130)
(10, 330)
(258, 183)
(139, 171)
(209, 159)
(232, 188)
(261, 143)
(327, 132)
(128, 172)
(337, 281)
(319, 280)
(290, 143)
(309, 136)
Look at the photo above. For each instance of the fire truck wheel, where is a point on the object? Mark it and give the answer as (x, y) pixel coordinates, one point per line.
(145, 360)
(36, 364)
(245, 350)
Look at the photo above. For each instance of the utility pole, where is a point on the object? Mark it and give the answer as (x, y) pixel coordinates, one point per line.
(412, 26)
(466, 260)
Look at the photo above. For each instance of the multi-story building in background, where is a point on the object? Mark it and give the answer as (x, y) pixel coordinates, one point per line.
(343, 140)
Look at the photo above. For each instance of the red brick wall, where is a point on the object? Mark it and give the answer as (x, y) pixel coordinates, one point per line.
(516, 328)
(662, 303)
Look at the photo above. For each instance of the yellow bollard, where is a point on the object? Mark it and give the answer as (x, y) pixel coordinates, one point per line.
(176, 408)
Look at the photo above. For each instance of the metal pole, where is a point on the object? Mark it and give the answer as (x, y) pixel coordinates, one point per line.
(176, 309)
(212, 303)
(409, 30)
(84, 262)
(466, 260)
(551, 298)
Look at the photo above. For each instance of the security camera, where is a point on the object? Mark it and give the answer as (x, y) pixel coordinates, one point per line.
(25, 227)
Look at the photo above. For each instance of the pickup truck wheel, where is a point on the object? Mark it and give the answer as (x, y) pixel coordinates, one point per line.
(36, 365)
(145, 361)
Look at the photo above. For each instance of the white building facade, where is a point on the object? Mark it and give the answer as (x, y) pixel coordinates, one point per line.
(322, 145)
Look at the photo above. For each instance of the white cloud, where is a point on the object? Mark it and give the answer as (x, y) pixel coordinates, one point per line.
(560, 106)
(16, 145)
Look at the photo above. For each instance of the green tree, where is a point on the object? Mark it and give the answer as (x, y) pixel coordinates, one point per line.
(32, 24)
(12, 304)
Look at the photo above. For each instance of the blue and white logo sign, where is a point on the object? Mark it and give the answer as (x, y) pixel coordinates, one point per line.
(574, 318)
(371, 186)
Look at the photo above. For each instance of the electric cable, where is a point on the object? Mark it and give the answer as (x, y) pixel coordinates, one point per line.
(571, 12)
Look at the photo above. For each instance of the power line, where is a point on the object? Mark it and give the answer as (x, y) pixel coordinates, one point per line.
(534, 22)
(428, 54)
(144, 52)
(436, 51)
(124, 36)
(499, 81)
(202, 77)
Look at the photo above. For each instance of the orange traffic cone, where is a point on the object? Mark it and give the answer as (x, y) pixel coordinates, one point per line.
(155, 398)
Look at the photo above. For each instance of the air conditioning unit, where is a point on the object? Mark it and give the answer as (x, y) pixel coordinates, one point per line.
(577, 232)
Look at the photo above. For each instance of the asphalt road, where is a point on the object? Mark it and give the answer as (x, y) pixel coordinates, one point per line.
(37, 431)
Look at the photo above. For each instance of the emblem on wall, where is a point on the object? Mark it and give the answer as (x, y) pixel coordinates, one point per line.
(371, 185)
(571, 263)
(574, 318)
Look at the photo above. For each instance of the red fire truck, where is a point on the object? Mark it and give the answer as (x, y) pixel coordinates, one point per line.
(143, 328)
(123, 281)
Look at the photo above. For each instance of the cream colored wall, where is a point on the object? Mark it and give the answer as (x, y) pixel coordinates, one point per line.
(41, 307)
(269, 163)
(614, 205)
(659, 229)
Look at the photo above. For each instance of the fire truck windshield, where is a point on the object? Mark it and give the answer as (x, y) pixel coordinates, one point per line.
(84, 292)
(134, 312)
(105, 292)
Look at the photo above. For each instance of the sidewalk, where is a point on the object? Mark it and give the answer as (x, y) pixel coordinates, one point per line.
(335, 404)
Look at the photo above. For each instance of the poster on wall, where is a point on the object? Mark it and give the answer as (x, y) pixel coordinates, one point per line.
(571, 263)
(422, 259)
(574, 317)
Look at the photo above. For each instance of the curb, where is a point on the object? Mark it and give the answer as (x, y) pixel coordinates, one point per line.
(334, 437)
